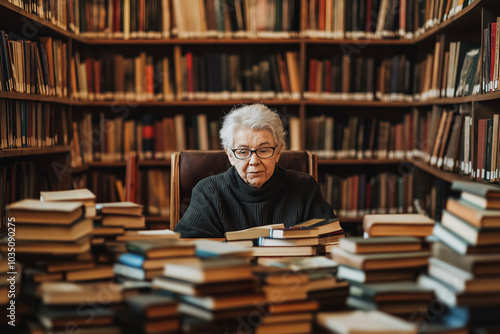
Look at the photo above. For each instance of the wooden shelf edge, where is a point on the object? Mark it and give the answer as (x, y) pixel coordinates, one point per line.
(35, 98)
(121, 164)
(443, 175)
(19, 152)
(327, 162)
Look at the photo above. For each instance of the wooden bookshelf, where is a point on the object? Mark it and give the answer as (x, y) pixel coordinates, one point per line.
(329, 162)
(35, 98)
(443, 175)
(23, 152)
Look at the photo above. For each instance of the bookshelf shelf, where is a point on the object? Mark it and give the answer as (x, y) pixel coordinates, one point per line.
(443, 175)
(34, 97)
(18, 152)
(121, 164)
(366, 41)
(184, 103)
(359, 161)
(194, 41)
(16, 15)
(351, 103)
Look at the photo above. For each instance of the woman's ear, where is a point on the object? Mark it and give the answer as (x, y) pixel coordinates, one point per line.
(229, 155)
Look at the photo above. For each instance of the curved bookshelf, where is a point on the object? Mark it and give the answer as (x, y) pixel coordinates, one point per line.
(18, 152)
(180, 103)
(446, 176)
(359, 161)
(351, 103)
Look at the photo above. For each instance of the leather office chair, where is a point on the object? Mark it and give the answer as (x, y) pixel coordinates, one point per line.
(189, 167)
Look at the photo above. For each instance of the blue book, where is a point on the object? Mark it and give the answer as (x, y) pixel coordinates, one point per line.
(132, 260)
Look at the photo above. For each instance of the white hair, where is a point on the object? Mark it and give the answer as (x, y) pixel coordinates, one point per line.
(254, 117)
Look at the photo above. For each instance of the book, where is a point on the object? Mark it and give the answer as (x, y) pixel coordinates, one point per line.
(152, 306)
(472, 214)
(154, 249)
(293, 232)
(72, 232)
(373, 322)
(133, 272)
(201, 289)
(472, 234)
(415, 225)
(324, 226)
(55, 317)
(481, 202)
(448, 295)
(75, 195)
(136, 235)
(397, 308)
(125, 221)
(223, 302)
(251, 233)
(391, 291)
(459, 244)
(284, 251)
(49, 247)
(362, 276)
(139, 261)
(475, 188)
(211, 248)
(34, 212)
(461, 280)
(380, 261)
(66, 293)
(209, 271)
(361, 245)
(477, 264)
(270, 242)
(119, 208)
(90, 274)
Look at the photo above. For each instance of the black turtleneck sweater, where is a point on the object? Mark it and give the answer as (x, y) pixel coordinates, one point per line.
(224, 202)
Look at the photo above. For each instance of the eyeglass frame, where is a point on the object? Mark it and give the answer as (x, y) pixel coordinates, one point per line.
(253, 151)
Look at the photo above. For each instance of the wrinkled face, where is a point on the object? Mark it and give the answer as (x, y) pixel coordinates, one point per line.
(255, 171)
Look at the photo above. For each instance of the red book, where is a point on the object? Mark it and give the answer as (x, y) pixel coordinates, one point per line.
(116, 15)
(481, 148)
(141, 15)
(328, 76)
(150, 84)
(312, 75)
(322, 14)
(189, 68)
(369, 18)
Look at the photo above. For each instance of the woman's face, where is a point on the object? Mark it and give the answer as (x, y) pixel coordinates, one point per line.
(255, 171)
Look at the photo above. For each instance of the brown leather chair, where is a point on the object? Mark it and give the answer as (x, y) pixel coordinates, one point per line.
(189, 167)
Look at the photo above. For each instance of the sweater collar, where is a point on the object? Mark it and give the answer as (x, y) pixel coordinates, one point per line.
(248, 193)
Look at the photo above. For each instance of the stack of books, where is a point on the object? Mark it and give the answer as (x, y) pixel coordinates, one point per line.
(53, 228)
(385, 225)
(364, 322)
(76, 195)
(146, 259)
(66, 304)
(315, 274)
(211, 290)
(125, 214)
(157, 314)
(382, 273)
(464, 269)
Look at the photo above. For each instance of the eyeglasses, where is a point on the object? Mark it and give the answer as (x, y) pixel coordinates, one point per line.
(245, 153)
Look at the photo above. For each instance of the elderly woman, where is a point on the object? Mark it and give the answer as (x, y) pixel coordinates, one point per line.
(254, 191)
